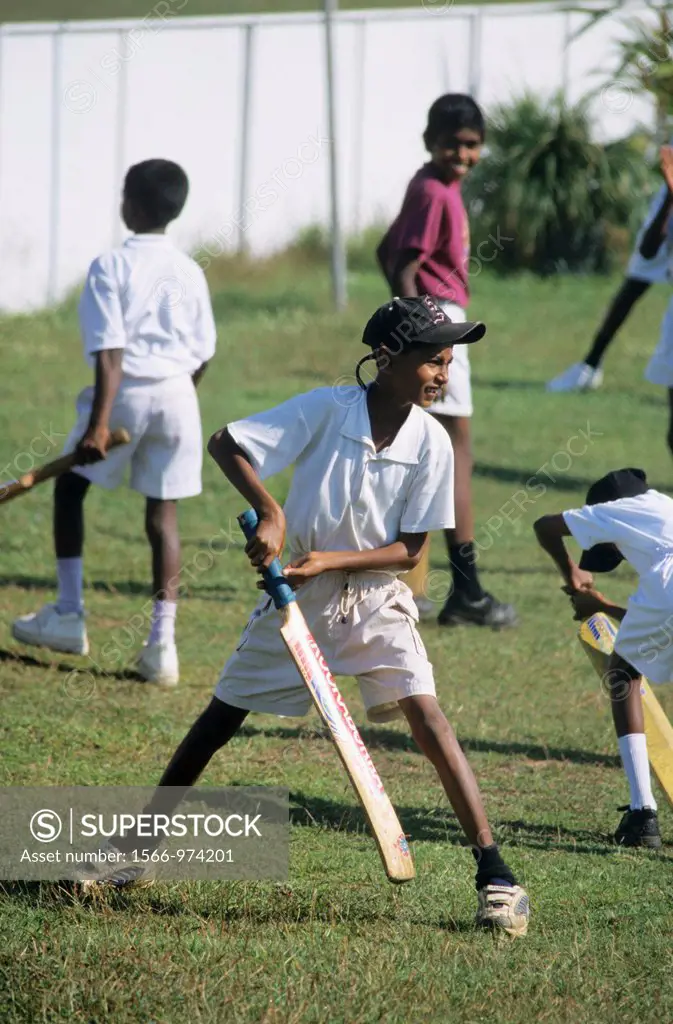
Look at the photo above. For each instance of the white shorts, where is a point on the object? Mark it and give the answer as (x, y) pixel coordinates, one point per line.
(659, 370)
(166, 449)
(365, 626)
(457, 398)
(645, 633)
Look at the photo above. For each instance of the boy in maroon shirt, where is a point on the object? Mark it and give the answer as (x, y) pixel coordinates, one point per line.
(426, 251)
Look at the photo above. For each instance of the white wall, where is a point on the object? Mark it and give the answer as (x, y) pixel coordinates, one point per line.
(81, 101)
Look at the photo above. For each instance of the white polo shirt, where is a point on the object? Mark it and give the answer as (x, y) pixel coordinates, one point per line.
(152, 300)
(344, 495)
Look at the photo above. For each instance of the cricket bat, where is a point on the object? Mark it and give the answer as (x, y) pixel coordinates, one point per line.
(597, 637)
(311, 665)
(25, 483)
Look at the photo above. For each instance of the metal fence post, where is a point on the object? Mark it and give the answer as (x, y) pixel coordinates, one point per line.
(338, 252)
(246, 109)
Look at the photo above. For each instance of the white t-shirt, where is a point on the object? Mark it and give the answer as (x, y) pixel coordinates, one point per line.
(345, 496)
(641, 527)
(152, 300)
(658, 269)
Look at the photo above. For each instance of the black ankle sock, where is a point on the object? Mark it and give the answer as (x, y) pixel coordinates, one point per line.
(464, 569)
(491, 866)
(593, 360)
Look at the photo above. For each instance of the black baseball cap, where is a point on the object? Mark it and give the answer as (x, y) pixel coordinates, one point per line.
(621, 483)
(400, 323)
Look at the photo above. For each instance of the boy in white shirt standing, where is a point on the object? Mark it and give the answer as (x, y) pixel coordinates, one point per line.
(148, 332)
(624, 519)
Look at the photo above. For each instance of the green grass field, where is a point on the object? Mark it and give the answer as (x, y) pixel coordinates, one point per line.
(337, 943)
(65, 10)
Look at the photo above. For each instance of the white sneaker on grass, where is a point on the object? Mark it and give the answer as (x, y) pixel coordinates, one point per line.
(49, 628)
(158, 663)
(578, 377)
(504, 908)
(109, 866)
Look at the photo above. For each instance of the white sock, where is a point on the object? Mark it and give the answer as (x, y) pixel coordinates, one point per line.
(163, 622)
(633, 750)
(70, 573)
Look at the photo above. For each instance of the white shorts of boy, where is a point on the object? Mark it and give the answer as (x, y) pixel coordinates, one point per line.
(659, 370)
(166, 449)
(457, 397)
(365, 626)
(645, 635)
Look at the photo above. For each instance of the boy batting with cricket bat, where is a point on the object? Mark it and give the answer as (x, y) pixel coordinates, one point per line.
(624, 519)
(372, 476)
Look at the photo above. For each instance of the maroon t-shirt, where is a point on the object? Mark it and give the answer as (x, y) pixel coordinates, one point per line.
(432, 221)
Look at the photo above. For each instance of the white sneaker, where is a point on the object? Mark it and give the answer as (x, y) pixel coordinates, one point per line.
(48, 628)
(158, 663)
(109, 866)
(503, 908)
(578, 377)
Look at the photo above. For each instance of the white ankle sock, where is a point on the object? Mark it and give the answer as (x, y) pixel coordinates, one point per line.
(633, 750)
(163, 622)
(70, 587)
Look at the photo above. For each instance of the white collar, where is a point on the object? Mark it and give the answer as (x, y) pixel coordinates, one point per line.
(405, 447)
(148, 239)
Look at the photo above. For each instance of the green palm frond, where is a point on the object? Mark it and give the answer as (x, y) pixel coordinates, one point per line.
(561, 196)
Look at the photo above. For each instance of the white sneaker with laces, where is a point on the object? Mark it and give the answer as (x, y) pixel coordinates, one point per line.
(158, 663)
(49, 628)
(503, 908)
(578, 377)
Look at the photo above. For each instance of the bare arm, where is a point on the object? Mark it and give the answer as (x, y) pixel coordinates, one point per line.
(93, 446)
(403, 281)
(550, 531)
(239, 471)
(197, 376)
(403, 554)
(656, 232)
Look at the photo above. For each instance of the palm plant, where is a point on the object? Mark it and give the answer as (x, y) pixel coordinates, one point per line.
(645, 57)
(554, 197)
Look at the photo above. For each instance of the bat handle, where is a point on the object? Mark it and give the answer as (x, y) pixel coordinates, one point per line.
(274, 580)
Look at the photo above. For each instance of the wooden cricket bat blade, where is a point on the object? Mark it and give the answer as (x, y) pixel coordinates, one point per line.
(597, 636)
(388, 834)
(25, 483)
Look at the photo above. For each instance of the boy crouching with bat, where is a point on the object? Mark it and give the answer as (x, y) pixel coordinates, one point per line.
(370, 483)
(623, 519)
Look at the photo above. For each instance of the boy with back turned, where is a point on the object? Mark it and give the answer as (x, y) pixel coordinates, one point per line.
(148, 333)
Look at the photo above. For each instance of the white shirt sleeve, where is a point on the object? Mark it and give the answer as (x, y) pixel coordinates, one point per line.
(430, 505)
(592, 524)
(100, 312)
(274, 440)
(205, 330)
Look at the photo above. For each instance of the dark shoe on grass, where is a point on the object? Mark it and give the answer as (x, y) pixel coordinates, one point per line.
(639, 828)
(488, 611)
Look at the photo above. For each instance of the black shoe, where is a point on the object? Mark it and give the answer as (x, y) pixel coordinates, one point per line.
(639, 828)
(461, 611)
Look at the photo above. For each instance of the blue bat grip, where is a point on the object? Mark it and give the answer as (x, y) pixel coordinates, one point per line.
(274, 581)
